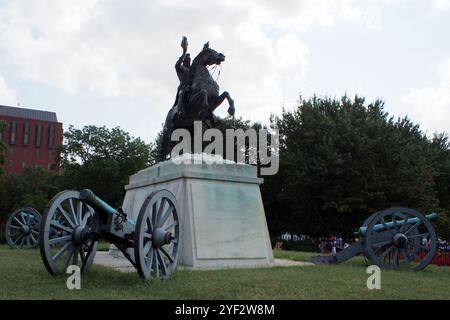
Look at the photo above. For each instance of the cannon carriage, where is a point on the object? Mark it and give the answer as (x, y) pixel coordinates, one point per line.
(74, 222)
(394, 238)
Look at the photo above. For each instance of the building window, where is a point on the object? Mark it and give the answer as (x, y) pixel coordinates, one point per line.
(38, 135)
(11, 163)
(26, 133)
(51, 137)
(13, 131)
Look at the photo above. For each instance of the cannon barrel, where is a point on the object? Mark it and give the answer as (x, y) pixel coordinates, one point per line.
(88, 197)
(381, 227)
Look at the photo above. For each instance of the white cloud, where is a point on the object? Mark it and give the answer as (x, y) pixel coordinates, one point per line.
(127, 49)
(372, 16)
(444, 74)
(7, 96)
(291, 51)
(441, 5)
(302, 15)
(349, 12)
(430, 106)
(118, 49)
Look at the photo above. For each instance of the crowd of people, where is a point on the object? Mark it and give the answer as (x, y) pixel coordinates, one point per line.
(333, 244)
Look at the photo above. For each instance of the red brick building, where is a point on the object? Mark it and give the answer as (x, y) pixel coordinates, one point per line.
(31, 136)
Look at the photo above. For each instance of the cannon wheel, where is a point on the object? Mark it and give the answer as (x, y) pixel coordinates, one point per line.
(385, 248)
(61, 242)
(22, 228)
(368, 219)
(158, 236)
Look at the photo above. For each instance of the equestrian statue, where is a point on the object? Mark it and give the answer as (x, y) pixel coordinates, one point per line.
(197, 95)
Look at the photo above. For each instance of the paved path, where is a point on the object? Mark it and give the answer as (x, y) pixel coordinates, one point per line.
(122, 264)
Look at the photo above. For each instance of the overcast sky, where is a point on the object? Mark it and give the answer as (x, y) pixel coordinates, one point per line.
(112, 62)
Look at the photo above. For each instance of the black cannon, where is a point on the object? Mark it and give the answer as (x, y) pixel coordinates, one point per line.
(22, 228)
(395, 238)
(74, 222)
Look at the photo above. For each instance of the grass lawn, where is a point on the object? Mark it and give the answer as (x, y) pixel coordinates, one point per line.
(23, 276)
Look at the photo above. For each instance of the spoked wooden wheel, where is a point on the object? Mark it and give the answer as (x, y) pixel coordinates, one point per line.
(22, 228)
(62, 242)
(158, 236)
(408, 240)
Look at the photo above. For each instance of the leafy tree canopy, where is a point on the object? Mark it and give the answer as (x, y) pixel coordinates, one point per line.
(102, 159)
(31, 188)
(343, 159)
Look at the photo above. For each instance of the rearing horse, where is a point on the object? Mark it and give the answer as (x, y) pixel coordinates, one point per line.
(203, 97)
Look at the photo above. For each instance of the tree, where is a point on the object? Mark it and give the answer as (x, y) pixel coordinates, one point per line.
(157, 153)
(102, 159)
(32, 188)
(342, 160)
(270, 189)
(222, 124)
(440, 153)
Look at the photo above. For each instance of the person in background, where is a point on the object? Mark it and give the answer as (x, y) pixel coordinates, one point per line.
(333, 245)
(427, 242)
(339, 243)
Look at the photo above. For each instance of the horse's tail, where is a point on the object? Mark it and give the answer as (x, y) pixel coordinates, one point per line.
(176, 97)
(164, 144)
(167, 132)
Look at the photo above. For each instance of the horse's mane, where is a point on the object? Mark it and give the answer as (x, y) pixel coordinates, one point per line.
(195, 64)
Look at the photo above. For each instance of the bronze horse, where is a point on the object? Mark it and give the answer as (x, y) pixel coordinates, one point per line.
(202, 99)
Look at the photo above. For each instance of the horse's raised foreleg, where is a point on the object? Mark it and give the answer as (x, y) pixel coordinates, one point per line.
(219, 99)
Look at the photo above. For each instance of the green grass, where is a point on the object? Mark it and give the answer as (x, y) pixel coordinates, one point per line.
(294, 255)
(103, 246)
(23, 276)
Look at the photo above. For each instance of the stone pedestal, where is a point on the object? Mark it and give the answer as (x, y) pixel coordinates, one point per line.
(222, 213)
